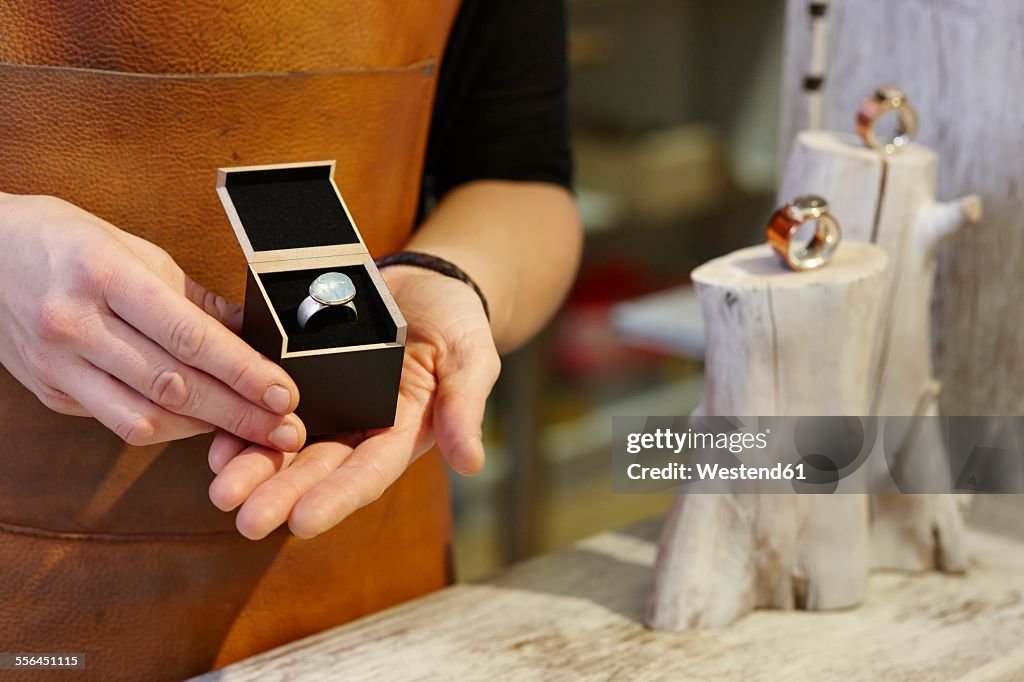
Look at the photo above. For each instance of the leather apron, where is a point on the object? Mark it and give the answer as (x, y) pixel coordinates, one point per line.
(127, 109)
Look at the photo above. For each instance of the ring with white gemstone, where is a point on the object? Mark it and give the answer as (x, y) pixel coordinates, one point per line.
(329, 290)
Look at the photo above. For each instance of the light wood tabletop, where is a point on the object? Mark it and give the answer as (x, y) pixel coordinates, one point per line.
(575, 615)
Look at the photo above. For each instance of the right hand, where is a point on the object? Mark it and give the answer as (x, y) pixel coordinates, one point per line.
(97, 322)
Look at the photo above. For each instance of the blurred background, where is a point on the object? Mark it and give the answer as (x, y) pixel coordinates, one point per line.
(675, 118)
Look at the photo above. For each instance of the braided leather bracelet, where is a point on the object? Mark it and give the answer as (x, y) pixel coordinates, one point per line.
(438, 265)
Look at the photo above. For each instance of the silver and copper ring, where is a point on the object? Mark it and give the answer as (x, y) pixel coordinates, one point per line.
(887, 98)
(785, 223)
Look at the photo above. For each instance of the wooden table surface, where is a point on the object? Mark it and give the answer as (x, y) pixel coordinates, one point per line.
(575, 615)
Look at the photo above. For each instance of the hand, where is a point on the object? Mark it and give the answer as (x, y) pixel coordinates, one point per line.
(97, 322)
(450, 368)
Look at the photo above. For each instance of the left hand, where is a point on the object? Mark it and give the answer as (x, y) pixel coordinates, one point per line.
(450, 367)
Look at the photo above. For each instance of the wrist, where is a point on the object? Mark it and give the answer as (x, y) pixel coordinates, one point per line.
(418, 260)
(400, 278)
(418, 291)
(400, 275)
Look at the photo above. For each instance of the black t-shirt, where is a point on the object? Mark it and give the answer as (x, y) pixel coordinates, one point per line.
(500, 111)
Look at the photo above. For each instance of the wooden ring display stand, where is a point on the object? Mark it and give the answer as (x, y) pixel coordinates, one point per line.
(850, 339)
(778, 343)
(890, 200)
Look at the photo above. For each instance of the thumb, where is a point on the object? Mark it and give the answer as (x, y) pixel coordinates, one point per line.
(466, 377)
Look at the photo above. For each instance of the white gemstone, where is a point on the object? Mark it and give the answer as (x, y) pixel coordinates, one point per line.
(332, 288)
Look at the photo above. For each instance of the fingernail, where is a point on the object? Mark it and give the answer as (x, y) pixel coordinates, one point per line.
(277, 398)
(285, 437)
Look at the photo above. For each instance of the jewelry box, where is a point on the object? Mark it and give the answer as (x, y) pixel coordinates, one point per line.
(293, 226)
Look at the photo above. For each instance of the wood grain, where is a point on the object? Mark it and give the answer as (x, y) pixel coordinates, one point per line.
(779, 342)
(575, 615)
(890, 200)
(960, 62)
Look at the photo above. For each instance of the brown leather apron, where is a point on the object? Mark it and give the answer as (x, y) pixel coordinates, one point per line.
(127, 110)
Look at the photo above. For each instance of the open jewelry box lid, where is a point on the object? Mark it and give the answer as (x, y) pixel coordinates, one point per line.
(288, 211)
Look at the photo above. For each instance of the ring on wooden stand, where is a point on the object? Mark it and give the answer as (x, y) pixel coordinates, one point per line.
(785, 223)
(887, 98)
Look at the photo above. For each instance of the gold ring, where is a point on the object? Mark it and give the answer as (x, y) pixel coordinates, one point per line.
(887, 98)
(786, 221)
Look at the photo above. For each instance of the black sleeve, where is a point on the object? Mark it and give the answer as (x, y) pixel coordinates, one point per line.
(501, 109)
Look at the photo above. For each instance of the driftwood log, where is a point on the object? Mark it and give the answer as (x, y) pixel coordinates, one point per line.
(890, 201)
(778, 343)
(960, 63)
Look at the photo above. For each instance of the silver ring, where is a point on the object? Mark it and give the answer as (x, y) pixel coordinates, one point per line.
(329, 290)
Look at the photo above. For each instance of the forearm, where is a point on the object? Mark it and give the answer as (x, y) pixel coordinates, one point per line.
(519, 241)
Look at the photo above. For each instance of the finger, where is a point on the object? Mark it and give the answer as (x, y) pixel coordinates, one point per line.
(147, 303)
(59, 401)
(51, 397)
(161, 263)
(243, 473)
(363, 477)
(466, 378)
(270, 504)
(218, 307)
(144, 366)
(136, 420)
(225, 445)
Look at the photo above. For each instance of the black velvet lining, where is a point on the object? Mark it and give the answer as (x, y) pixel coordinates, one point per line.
(289, 208)
(334, 328)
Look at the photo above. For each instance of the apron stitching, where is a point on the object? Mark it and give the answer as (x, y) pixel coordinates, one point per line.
(13, 529)
(423, 64)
